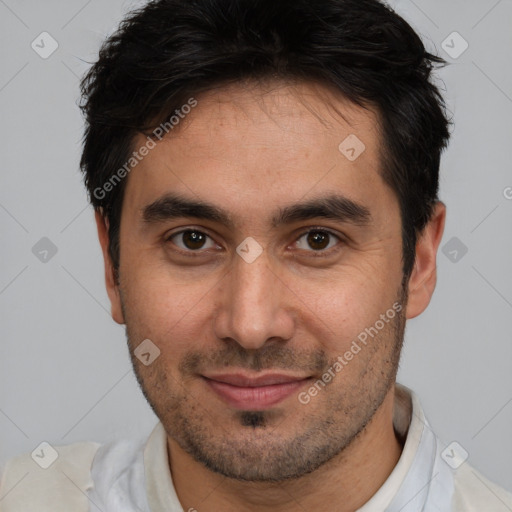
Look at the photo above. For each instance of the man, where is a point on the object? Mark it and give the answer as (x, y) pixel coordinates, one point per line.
(265, 179)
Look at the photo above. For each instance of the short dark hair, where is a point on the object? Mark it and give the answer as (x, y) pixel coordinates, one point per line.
(171, 50)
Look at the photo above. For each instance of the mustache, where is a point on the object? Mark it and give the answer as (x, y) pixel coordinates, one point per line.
(269, 357)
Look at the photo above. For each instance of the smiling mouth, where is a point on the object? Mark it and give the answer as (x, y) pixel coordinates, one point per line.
(245, 392)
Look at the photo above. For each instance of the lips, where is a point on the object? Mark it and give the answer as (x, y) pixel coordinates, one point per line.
(245, 392)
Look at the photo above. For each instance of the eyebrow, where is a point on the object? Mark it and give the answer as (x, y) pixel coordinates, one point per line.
(335, 207)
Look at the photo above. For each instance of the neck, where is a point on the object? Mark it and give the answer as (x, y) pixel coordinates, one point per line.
(349, 480)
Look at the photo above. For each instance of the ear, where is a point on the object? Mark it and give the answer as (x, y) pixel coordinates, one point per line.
(110, 280)
(424, 274)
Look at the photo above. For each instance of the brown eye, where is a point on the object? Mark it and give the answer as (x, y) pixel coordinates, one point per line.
(191, 240)
(317, 240)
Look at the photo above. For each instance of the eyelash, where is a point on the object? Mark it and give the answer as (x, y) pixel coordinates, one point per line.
(314, 229)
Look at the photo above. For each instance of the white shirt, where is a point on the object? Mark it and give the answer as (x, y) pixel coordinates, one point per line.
(130, 476)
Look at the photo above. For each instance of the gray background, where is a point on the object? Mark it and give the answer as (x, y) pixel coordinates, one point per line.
(64, 369)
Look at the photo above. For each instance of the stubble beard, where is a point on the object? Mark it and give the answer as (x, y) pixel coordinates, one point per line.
(258, 450)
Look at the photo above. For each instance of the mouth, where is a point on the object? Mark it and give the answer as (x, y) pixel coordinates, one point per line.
(245, 392)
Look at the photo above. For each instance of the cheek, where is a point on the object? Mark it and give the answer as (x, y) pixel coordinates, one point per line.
(163, 309)
(340, 308)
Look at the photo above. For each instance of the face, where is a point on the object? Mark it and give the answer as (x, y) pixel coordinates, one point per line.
(265, 264)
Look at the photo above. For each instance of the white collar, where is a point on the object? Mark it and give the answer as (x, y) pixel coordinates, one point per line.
(420, 481)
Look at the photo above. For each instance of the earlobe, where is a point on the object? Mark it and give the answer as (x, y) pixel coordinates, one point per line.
(110, 278)
(423, 278)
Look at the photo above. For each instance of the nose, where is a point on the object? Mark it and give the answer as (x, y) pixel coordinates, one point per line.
(255, 305)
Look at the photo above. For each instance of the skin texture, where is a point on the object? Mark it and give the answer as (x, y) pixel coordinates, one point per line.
(253, 149)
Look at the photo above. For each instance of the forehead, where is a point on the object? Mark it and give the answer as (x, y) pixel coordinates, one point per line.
(271, 143)
(298, 113)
